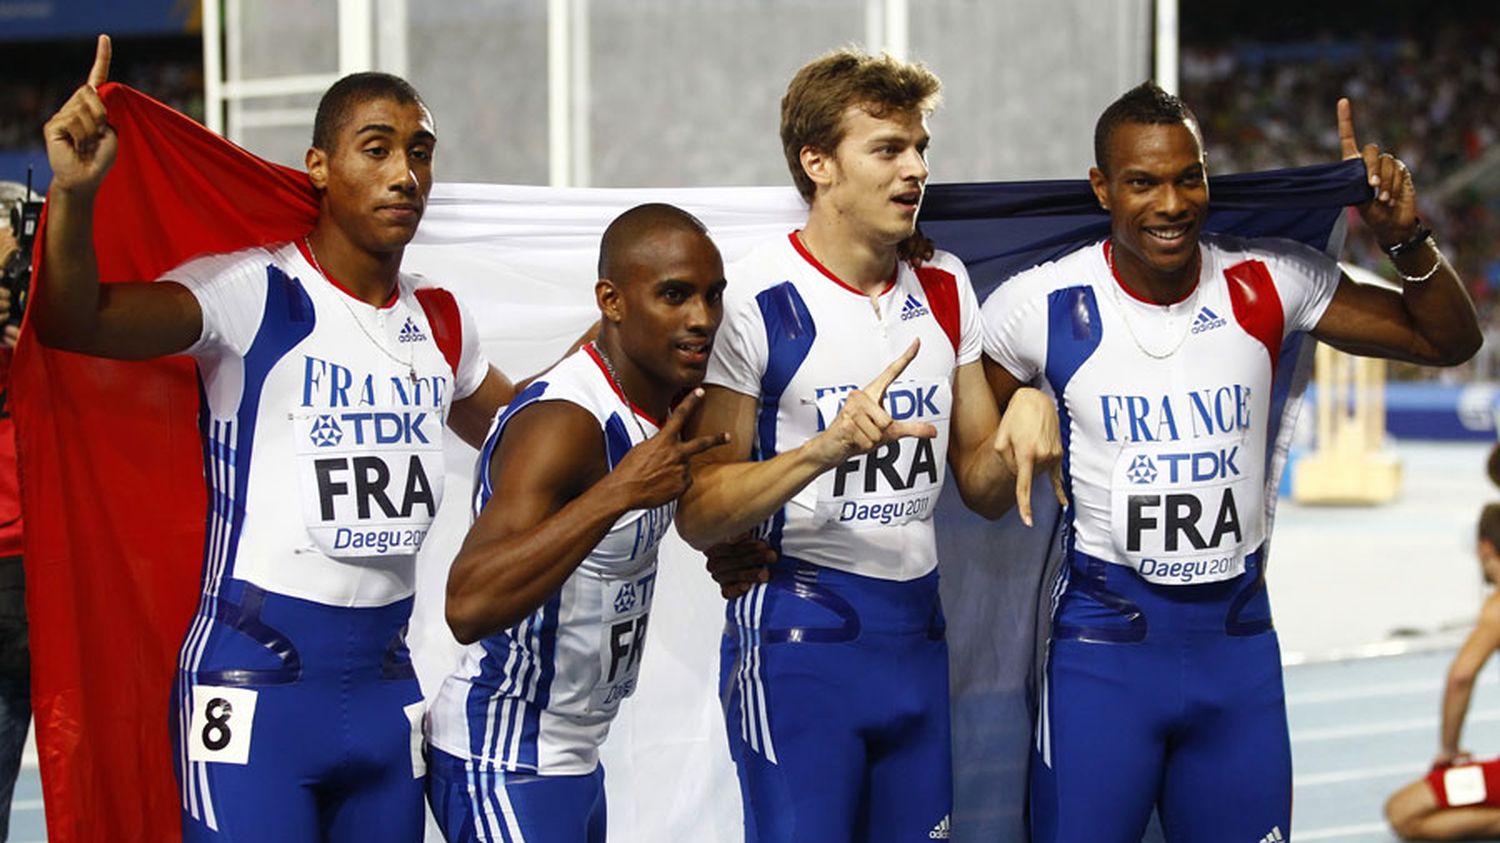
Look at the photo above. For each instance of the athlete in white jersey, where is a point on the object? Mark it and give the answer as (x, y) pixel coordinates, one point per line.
(835, 669)
(327, 378)
(576, 485)
(802, 340)
(306, 426)
(1167, 443)
(1163, 681)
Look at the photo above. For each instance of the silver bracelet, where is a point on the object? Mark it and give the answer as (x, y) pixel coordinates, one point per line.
(1418, 279)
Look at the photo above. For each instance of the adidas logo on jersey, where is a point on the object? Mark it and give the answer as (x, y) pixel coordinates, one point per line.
(1274, 836)
(1207, 320)
(912, 308)
(943, 830)
(411, 333)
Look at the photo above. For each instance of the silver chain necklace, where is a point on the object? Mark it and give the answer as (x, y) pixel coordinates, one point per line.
(1130, 327)
(411, 353)
(614, 379)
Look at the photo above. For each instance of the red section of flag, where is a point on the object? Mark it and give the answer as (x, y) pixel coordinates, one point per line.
(112, 480)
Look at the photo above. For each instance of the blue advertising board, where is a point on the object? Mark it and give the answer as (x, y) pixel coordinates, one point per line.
(31, 20)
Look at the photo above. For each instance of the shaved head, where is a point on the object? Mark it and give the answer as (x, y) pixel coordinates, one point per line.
(620, 250)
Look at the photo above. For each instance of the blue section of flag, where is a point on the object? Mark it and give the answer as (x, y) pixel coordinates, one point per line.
(1001, 228)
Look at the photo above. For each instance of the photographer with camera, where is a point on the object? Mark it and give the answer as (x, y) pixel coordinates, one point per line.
(19, 209)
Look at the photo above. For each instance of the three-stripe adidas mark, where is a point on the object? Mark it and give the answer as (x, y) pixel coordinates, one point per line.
(1207, 320)
(912, 308)
(410, 332)
(942, 831)
(1274, 836)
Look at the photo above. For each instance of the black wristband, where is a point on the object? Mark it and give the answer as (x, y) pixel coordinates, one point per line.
(1417, 238)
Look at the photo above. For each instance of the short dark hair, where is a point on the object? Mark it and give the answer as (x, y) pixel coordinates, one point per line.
(356, 88)
(630, 227)
(1145, 104)
(1489, 524)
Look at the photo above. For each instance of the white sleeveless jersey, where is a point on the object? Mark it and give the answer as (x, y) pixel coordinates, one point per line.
(323, 423)
(539, 697)
(798, 339)
(1165, 410)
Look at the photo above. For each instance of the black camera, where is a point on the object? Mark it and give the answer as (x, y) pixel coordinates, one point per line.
(15, 274)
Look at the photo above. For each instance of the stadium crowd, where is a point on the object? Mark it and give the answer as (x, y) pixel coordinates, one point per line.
(1432, 101)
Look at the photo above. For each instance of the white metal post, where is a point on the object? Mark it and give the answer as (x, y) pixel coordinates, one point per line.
(234, 69)
(1167, 47)
(579, 94)
(559, 90)
(213, 66)
(887, 27)
(898, 28)
(391, 45)
(356, 28)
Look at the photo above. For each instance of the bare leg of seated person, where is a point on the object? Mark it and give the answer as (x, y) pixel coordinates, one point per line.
(1414, 814)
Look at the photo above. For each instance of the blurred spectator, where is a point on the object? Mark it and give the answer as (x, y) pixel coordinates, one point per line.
(1432, 100)
(15, 660)
(40, 76)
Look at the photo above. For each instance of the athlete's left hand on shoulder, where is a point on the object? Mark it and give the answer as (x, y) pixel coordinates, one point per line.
(1028, 441)
(739, 564)
(1392, 212)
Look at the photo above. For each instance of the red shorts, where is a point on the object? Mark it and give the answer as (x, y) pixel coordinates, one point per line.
(1474, 783)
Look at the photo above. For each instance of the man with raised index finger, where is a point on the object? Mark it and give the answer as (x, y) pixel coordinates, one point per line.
(326, 375)
(847, 373)
(1163, 681)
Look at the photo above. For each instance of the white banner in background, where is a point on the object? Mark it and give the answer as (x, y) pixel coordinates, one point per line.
(523, 260)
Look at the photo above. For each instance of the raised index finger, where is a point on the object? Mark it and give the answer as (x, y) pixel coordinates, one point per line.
(883, 380)
(1348, 147)
(684, 408)
(99, 73)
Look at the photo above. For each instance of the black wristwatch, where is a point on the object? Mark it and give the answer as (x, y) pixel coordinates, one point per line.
(1416, 239)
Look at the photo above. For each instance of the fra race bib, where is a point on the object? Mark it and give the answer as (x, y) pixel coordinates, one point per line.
(1182, 515)
(897, 482)
(626, 608)
(371, 478)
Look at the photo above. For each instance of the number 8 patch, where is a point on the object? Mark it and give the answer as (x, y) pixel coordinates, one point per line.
(223, 719)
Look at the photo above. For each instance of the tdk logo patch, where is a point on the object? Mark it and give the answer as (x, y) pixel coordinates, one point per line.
(326, 432)
(1207, 320)
(1142, 470)
(411, 333)
(912, 308)
(625, 599)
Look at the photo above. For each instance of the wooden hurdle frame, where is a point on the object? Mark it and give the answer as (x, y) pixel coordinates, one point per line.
(1350, 464)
